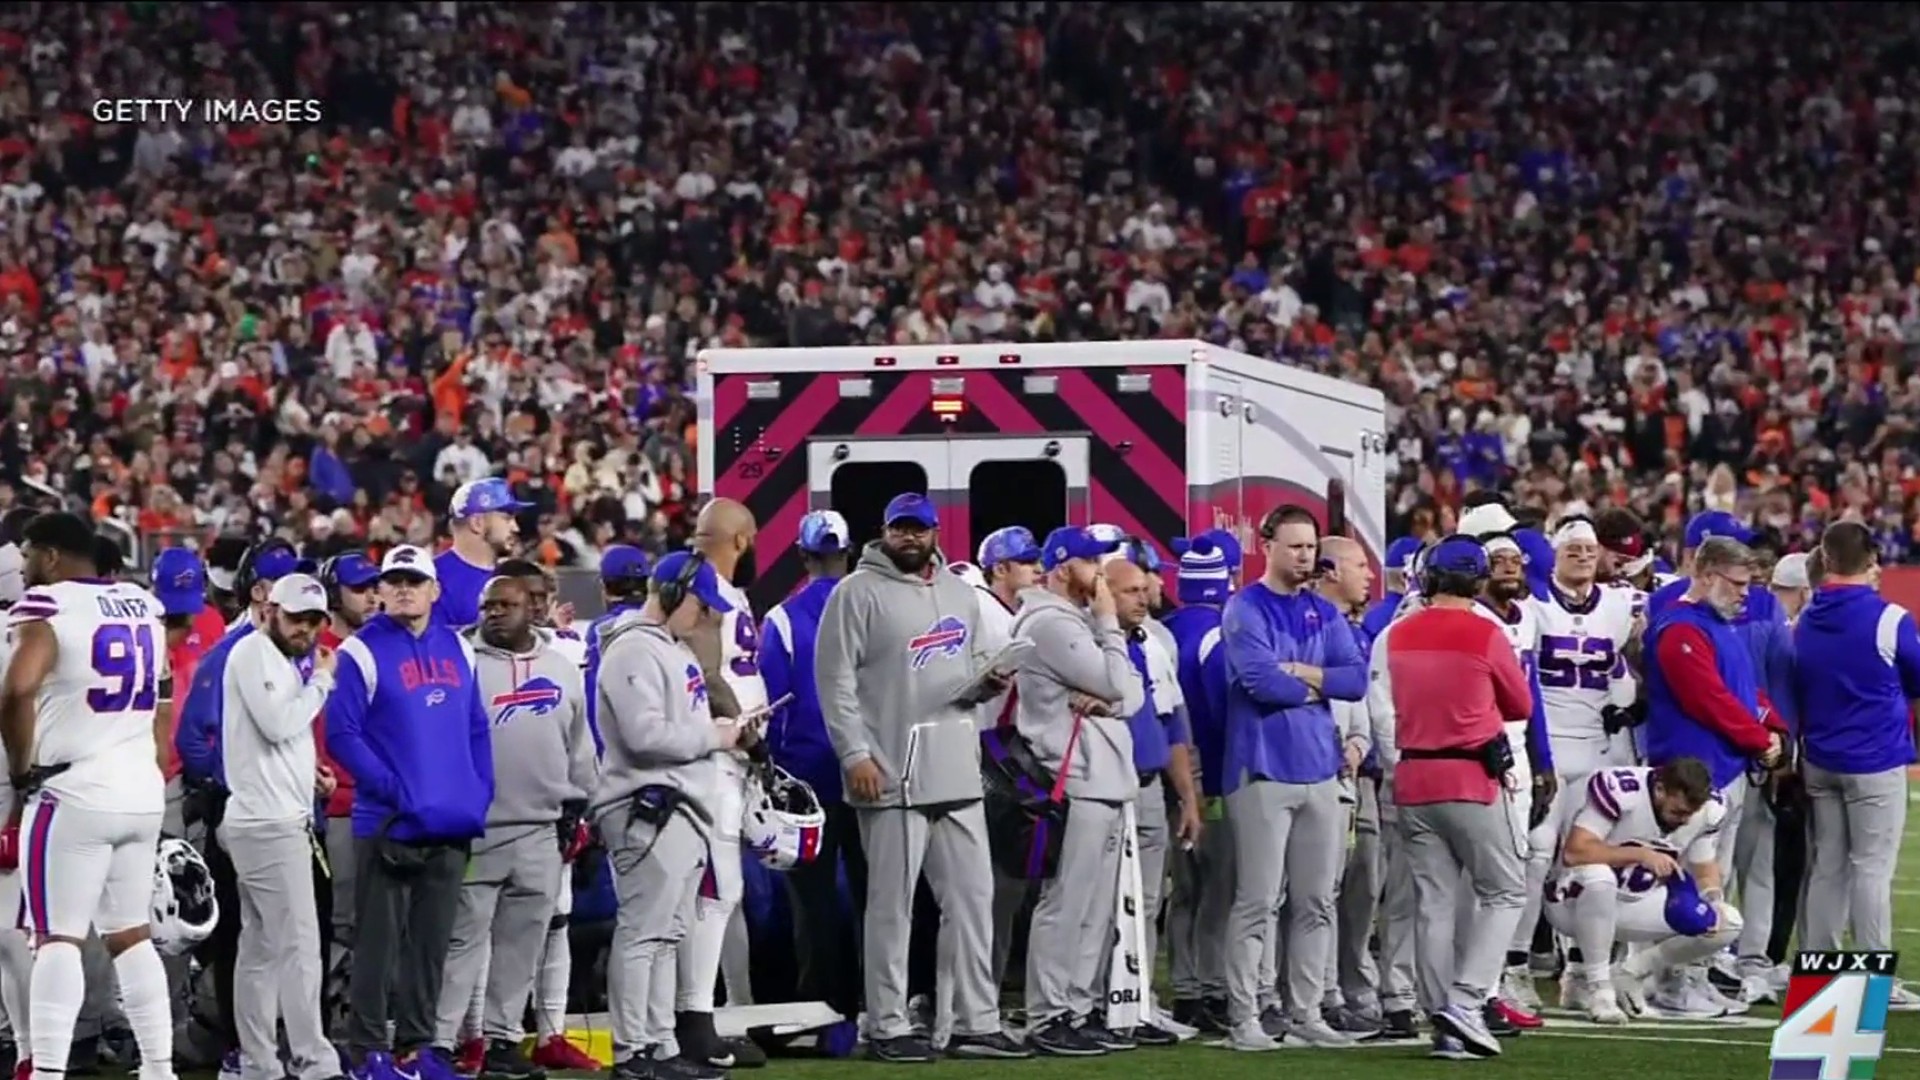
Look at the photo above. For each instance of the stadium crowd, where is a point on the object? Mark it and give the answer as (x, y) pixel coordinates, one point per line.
(1646, 255)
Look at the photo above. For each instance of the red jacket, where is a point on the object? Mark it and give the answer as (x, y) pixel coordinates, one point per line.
(1445, 678)
(182, 657)
(341, 803)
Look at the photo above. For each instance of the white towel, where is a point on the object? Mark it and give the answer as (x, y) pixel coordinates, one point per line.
(1130, 972)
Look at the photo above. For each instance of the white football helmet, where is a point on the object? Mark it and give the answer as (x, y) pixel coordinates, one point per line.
(784, 819)
(184, 907)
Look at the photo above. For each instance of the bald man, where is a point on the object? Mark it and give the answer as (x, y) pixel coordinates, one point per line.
(716, 943)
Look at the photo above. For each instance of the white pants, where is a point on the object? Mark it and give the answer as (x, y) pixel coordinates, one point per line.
(87, 869)
(1591, 905)
(716, 941)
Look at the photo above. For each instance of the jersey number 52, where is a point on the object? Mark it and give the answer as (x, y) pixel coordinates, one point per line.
(124, 656)
(1567, 662)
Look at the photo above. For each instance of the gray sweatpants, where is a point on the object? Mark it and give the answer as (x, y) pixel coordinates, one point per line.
(404, 917)
(1856, 827)
(1197, 913)
(656, 876)
(1072, 928)
(276, 971)
(1398, 916)
(950, 845)
(1288, 839)
(1443, 840)
(500, 930)
(1357, 975)
(1753, 873)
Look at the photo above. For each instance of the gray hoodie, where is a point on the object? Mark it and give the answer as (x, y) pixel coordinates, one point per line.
(1074, 651)
(892, 653)
(542, 748)
(654, 718)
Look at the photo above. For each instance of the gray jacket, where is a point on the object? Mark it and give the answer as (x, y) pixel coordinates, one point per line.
(542, 749)
(1074, 651)
(892, 654)
(654, 718)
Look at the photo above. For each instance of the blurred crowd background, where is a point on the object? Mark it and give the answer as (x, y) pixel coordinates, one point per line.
(1660, 255)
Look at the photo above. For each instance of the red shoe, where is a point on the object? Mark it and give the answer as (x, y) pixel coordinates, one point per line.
(559, 1054)
(23, 1069)
(473, 1053)
(1517, 1016)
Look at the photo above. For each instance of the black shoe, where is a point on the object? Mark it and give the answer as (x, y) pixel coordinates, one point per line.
(83, 1058)
(995, 1045)
(1106, 1038)
(1400, 1024)
(637, 1067)
(504, 1061)
(118, 1048)
(1153, 1035)
(686, 1068)
(1187, 1011)
(904, 1050)
(1213, 1017)
(699, 1042)
(1059, 1038)
(746, 1053)
(1497, 1023)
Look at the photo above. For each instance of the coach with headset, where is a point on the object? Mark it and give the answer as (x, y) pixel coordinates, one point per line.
(1444, 682)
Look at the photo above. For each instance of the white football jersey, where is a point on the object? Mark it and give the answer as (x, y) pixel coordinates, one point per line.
(1581, 659)
(95, 709)
(570, 644)
(740, 650)
(1521, 628)
(1619, 810)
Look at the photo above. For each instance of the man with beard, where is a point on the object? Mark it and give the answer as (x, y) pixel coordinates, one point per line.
(1072, 618)
(484, 528)
(1505, 599)
(901, 672)
(716, 942)
(544, 768)
(275, 683)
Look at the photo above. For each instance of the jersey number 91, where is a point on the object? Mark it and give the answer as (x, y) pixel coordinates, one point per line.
(125, 657)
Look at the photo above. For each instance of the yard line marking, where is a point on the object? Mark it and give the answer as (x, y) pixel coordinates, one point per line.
(1697, 1041)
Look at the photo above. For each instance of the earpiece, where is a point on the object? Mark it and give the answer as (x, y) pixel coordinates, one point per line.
(674, 590)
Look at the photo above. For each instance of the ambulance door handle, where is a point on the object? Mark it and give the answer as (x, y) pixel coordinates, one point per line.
(1226, 406)
(1247, 410)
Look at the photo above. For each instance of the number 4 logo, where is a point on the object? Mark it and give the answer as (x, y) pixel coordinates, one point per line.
(1824, 1038)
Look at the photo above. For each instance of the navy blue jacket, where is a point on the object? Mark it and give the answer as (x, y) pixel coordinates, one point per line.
(1203, 682)
(797, 735)
(406, 719)
(1859, 667)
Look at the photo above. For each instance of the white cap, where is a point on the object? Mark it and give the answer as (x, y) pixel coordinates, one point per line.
(298, 594)
(407, 559)
(1483, 521)
(1790, 572)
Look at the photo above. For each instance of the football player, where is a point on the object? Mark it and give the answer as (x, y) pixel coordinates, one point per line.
(86, 709)
(1637, 865)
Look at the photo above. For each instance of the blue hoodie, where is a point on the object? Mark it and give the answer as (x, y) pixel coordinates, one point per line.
(592, 675)
(797, 737)
(1762, 628)
(1855, 695)
(461, 584)
(406, 719)
(1203, 682)
(1274, 732)
(197, 737)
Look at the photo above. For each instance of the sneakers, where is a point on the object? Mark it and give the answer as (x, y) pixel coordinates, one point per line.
(1096, 1030)
(902, 1050)
(1574, 989)
(1399, 1024)
(1274, 1021)
(1903, 999)
(23, 1069)
(1448, 1048)
(1516, 988)
(1603, 1007)
(1677, 997)
(1213, 1017)
(684, 1068)
(1629, 991)
(699, 1042)
(1496, 1022)
(1519, 1018)
(1058, 1037)
(1151, 1034)
(746, 1053)
(1351, 1021)
(504, 1061)
(560, 1055)
(427, 1063)
(373, 1065)
(993, 1045)
(1469, 1027)
(1317, 1032)
(231, 1067)
(1251, 1036)
(472, 1053)
(637, 1067)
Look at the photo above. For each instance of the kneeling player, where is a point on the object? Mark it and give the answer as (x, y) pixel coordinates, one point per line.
(1637, 866)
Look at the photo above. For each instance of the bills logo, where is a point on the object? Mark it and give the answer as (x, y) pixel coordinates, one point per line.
(537, 696)
(944, 638)
(696, 687)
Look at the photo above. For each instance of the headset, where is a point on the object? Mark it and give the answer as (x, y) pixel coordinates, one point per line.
(1270, 524)
(244, 576)
(329, 574)
(674, 590)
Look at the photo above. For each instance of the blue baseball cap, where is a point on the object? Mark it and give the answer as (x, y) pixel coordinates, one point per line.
(824, 532)
(354, 571)
(1458, 555)
(1011, 544)
(1687, 913)
(489, 496)
(914, 507)
(705, 585)
(274, 560)
(623, 562)
(1711, 523)
(1401, 552)
(180, 582)
(1070, 542)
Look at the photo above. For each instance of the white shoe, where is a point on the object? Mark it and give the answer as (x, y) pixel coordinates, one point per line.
(1248, 1036)
(1679, 998)
(1516, 986)
(1903, 998)
(1603, 1007)
(1573, 990)
(1164, 1020)
(1703, 987)
(1630, 991)
(1317, 1032)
